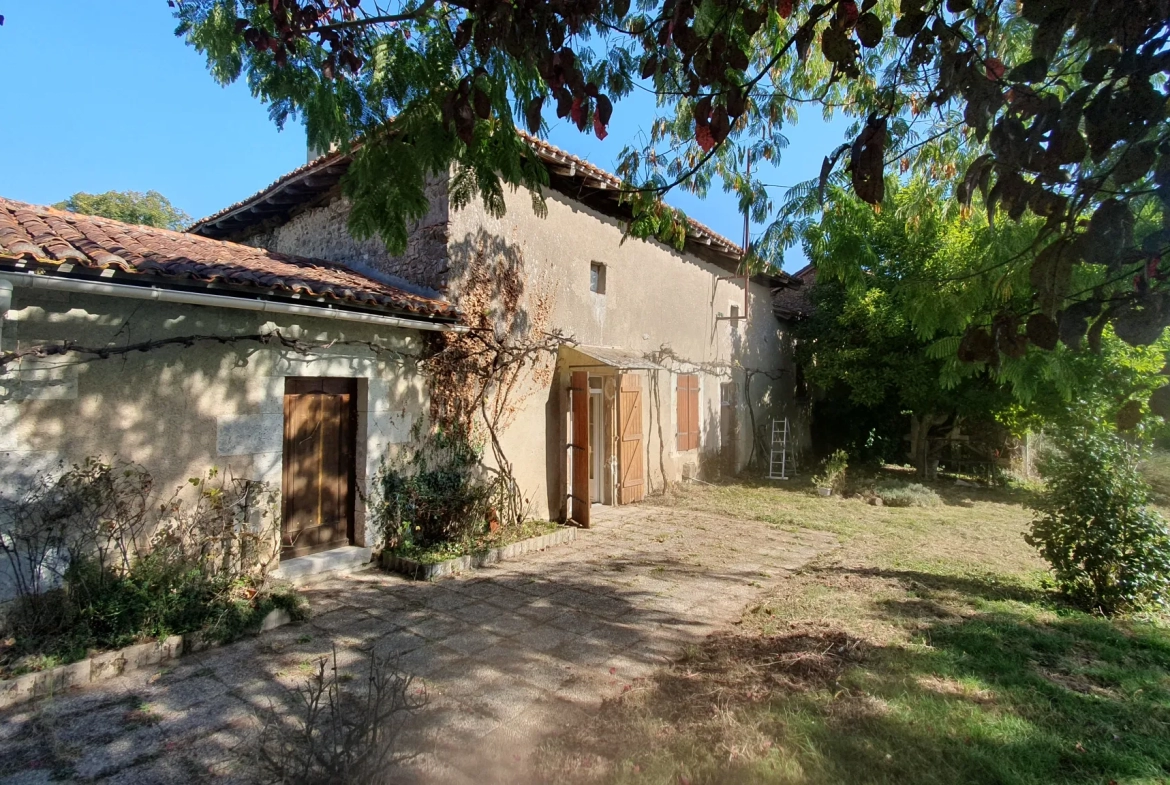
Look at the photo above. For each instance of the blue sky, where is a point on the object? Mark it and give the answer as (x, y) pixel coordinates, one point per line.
(102, 95)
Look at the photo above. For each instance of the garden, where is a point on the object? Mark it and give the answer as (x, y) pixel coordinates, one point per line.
(935, 646)
(97, 560)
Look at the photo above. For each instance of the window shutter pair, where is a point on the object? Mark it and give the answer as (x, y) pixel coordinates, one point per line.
(688, 412)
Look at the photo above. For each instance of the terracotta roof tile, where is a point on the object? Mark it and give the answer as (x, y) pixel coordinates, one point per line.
(336, 163)
(54, 237)
(794, 302)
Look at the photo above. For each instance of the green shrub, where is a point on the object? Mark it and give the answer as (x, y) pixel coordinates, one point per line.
(440, 494)
(1109, 551)
(832, 473)
(98, 562)
(900, 494)
(432, 505)
(99, 608)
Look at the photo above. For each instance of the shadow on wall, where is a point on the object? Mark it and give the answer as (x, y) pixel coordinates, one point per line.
(178, 411)
(487, 280)
(492, 284)
(764, 348)
(158, 408)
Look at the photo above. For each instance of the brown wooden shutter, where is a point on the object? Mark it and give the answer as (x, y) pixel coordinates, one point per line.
(631, 467)
(688, 412)
(693, 412)
(579, 448)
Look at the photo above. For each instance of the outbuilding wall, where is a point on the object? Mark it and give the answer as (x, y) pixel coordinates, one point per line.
(181, 410)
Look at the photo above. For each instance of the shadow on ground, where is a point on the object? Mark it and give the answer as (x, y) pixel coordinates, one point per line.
(508, 655)
(1003, 696)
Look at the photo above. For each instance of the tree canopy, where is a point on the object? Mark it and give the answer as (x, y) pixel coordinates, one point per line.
(896, 292)
(1052, 111)
(149, 209)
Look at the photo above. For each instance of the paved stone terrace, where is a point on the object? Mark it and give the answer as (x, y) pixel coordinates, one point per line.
(509, 654)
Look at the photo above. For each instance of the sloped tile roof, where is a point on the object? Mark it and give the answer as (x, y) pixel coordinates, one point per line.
(53, 237)
(310, 181)
(793, 302)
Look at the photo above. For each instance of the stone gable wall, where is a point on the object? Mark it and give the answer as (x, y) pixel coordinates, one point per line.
(322, 232)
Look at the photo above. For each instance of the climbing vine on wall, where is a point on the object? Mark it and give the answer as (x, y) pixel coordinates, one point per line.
(481, 379)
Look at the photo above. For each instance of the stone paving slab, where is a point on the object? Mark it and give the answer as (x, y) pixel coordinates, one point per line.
(509, 654)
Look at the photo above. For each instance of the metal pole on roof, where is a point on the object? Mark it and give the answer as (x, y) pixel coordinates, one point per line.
(747, 242)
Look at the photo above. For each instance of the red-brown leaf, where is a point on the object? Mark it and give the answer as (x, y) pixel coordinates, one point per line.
(599, 127)
(995, 69)
(532, 113)
(604, 109)
(867, 165)
(703, 137)
(577, 113)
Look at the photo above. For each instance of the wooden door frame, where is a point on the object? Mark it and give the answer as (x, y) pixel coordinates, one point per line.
(348, 449)
(597, 443)
(578, 451)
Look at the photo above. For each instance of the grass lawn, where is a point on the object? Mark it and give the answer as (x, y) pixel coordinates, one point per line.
(925, 650)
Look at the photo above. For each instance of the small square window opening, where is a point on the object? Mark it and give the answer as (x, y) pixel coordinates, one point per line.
(597, 277)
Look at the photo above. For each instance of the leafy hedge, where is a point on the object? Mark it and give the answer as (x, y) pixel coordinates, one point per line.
(1108, 549)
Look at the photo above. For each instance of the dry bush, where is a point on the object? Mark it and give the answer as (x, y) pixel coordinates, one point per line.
(900, 494)
(324, 733)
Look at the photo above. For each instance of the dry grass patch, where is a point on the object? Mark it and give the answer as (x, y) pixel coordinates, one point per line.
(924, 650)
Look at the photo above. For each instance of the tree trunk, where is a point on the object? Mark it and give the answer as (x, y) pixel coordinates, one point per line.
(920, 455)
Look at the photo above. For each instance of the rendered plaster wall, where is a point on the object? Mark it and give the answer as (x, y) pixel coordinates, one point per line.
(659, 303)
(322, 232)
(181, 411)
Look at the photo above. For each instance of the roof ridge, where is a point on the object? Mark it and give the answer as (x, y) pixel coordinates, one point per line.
(532, 141)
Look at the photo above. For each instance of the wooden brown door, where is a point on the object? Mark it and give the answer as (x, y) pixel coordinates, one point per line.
(579, 448)
(319, 433)
(631, 466)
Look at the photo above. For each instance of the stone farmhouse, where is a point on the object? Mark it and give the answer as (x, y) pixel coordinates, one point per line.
(268, 341)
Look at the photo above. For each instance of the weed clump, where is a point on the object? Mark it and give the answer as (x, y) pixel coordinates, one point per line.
(900, 494)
